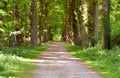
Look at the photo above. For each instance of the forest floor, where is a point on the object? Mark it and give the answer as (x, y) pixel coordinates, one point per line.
(57, 62)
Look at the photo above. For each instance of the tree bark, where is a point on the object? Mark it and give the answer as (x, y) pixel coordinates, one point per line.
(106, 24)
(84, 19)
(96, 22)
(46, 35)
(92, 22)
(42, 20)
(74, 23)
(15, 17)
(33, 28)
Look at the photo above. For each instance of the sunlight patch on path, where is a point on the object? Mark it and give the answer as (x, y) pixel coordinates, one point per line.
(56, 62)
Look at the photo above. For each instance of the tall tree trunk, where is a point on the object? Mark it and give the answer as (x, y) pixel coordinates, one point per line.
(89, 23)
(64, 31)
(69, 21)
(46, 36)
(42, 20)
(92, 22)
(15, 17)
(33, 28)
(106, 24)
(74, 23)
(83, 27)
(19, 36)
(96, 22)
(67, 30)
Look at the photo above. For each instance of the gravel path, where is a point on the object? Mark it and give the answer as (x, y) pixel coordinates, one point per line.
(56, 62)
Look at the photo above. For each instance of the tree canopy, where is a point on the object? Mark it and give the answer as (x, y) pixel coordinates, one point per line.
(79, 22)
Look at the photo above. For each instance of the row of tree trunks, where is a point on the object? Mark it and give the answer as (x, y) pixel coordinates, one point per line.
(81, 22)
(83, 15)
(44, 29)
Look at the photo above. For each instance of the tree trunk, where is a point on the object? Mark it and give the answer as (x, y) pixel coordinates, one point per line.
(74, 23)
(19, 36)
(96, 22)
(42, 20)
(33, 29)
(89, 23)
(106, 24)
(83, 28)
(46, 36)
(92, 22)
(15, 17)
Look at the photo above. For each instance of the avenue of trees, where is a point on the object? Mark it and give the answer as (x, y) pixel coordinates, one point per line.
(81, 22)
(92, 27)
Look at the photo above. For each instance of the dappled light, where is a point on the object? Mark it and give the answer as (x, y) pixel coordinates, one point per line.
(57, 62)
(33, 34)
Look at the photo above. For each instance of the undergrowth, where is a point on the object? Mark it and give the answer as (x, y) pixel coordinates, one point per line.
(107, 62)
(11, 60)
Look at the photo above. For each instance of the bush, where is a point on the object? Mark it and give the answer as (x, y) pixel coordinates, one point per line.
(115, 34)
(2, 67)
(116, 38)
(13, 51)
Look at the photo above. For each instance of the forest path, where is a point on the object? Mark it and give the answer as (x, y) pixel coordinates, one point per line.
(56, 62)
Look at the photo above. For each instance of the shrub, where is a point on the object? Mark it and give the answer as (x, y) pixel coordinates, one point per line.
(116, 38)
(2, 67)
(13, 51)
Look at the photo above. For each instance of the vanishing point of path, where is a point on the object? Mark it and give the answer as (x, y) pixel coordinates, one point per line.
(56, 62)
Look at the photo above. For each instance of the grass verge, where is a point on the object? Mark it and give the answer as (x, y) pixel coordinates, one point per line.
(106, 62)
(11, 60)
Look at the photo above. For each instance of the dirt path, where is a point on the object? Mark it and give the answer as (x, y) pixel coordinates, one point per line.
(56, 62)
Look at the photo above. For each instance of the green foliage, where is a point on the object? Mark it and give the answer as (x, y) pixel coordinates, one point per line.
(31, 52)
(12, 51)
(11, 66)
(115, 33)
(56, 17)
(57, 37)
(2, 67)
(115, 24)
(25, 51)
(104, 61)
(12, 62)
(116, 38)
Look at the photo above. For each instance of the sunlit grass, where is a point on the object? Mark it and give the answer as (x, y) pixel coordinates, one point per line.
(12, 66)
(13, 62)
(106, 62)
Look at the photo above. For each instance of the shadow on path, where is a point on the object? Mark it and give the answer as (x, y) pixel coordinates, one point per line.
(56, 62)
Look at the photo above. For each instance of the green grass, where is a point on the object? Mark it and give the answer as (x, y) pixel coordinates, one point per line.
(106, 62)
(11, 60)
(12, 66)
